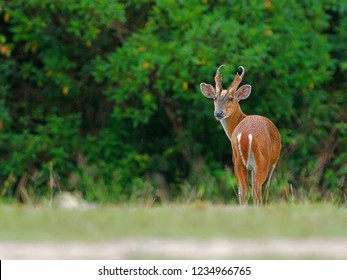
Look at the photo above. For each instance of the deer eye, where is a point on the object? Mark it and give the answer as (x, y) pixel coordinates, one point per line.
(214, 98)
(230, 99)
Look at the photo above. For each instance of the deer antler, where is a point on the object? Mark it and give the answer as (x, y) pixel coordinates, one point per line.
(237, 80)
(218, 80)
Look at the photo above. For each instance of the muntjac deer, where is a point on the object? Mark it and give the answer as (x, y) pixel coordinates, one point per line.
(255, 140)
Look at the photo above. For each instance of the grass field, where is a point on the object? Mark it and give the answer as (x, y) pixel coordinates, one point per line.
(200, 223)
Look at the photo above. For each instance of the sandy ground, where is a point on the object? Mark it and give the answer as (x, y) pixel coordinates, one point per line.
(178, 249)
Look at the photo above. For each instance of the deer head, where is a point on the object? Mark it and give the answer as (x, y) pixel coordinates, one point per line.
(226, 101)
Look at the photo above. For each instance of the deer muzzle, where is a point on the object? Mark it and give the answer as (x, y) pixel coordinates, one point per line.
(219, 115)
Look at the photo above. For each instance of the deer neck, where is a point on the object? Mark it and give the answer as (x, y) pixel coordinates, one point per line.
(232, 121)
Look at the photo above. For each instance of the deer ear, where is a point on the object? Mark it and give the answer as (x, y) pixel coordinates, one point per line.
(243, 92)
(207, 90)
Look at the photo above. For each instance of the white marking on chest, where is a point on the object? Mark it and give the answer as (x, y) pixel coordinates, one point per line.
(224, 124)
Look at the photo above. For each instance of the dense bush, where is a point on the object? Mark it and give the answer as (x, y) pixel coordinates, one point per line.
(103, 96)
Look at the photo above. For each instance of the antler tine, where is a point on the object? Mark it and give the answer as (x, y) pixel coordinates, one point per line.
(237, 80)
(218, 69)
(218, 79)
(243, 71)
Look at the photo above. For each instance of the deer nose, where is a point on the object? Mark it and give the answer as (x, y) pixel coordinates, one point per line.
(219, 114)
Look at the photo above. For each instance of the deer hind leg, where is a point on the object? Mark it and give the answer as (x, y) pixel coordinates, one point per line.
(259, 175)
(256, 190)
(241, 177)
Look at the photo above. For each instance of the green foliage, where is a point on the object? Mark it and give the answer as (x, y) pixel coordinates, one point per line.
(108, 92)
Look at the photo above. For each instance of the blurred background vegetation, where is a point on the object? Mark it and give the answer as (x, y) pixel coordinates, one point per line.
(102, 97)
